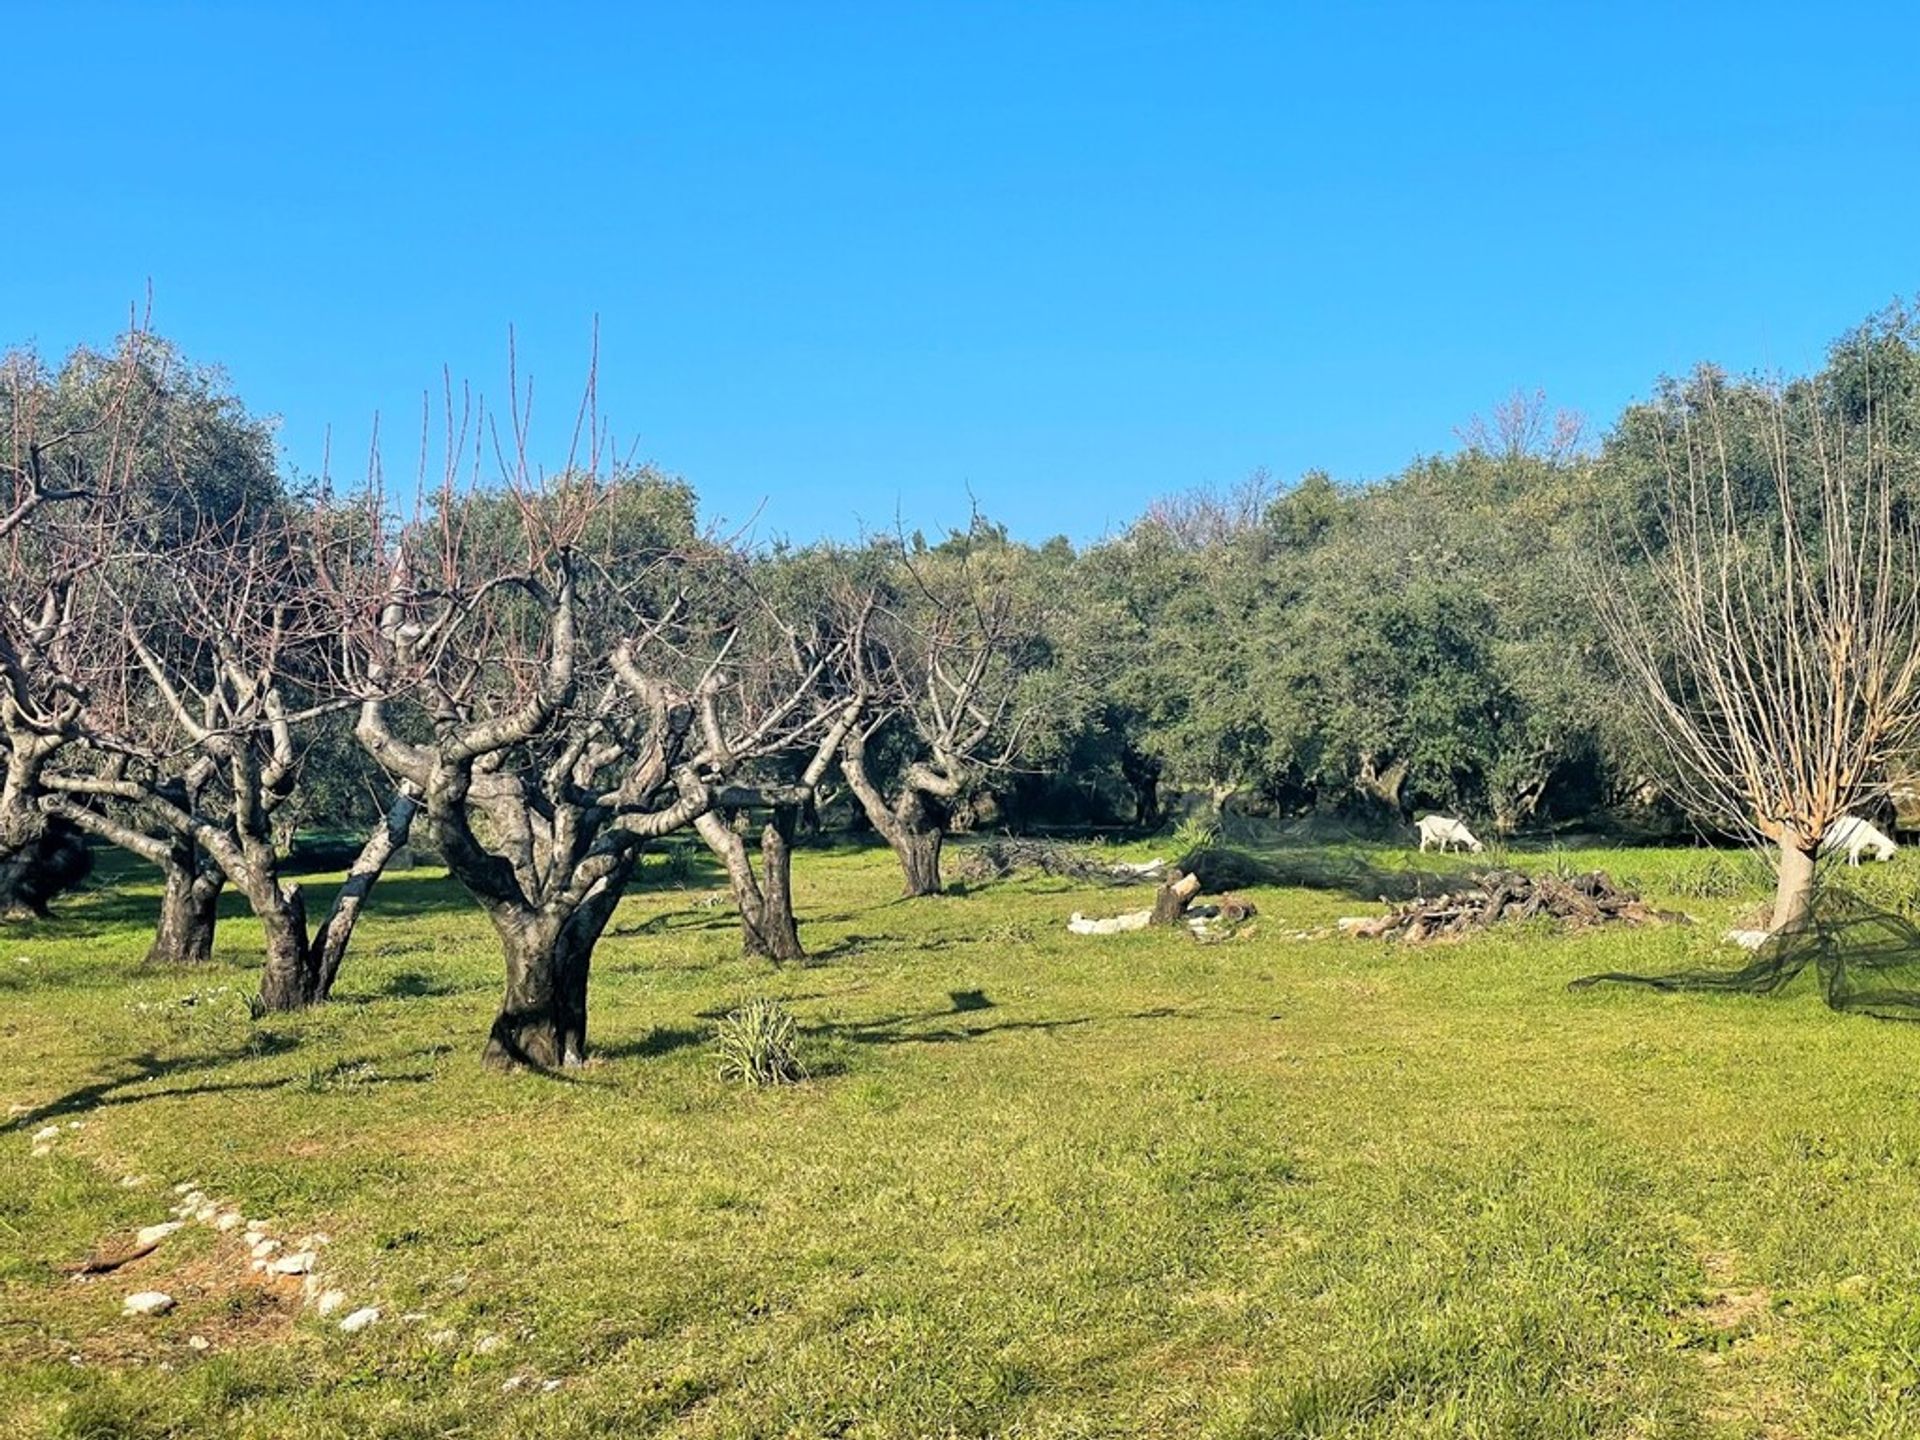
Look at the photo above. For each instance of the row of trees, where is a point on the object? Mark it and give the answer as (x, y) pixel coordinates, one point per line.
(546, 671)
(542, 673)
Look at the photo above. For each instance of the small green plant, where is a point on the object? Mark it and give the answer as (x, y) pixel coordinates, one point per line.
(1193, 835)
(758, 1044)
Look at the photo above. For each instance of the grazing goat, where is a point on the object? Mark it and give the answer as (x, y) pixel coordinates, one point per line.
(1446, 833)
(1852, 834)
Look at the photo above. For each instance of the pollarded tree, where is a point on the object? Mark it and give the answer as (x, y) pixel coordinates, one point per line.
(786, 681)
(1765, 615)
(65, 458)
(224, 649)
(941, 674)
(116, 453)
(536, 659)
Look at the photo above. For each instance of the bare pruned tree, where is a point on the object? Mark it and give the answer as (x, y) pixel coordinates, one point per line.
(1523, 425)
(939, 677)
(223, 653)
(792, 722)
(1766, 614)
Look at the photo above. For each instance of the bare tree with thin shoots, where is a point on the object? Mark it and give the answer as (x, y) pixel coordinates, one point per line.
(222, 656)
(940, 675)
(1770, 630)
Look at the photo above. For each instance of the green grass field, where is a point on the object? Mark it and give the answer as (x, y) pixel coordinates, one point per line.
(1038, 1185)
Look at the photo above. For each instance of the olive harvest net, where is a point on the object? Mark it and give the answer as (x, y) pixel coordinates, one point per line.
(1866, 960)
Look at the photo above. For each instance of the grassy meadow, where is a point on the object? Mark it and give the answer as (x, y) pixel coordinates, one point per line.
(1287, 1184)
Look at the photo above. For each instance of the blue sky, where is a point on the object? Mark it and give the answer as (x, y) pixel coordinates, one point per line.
(859, 261)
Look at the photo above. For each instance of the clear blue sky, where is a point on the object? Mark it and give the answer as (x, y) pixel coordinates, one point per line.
(857, 259)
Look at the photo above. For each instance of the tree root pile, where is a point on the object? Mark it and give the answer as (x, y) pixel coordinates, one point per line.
(1577, 901)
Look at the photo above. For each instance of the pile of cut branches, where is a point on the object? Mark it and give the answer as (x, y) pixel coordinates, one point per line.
(1004, 855)
(1576, 901)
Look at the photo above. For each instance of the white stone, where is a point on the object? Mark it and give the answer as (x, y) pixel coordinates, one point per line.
(133, 1182)
(183, 1187)
(297, 1263)
(1116, 925)
(47, 1132)
(551, 1385)
(256, 1266)
(330, 1301)
(1748, 939)
(513, 1382)
(76, 1124)
(154, 1234)
(43, 1149)
(227, 1220)
(18, 1107)
(147, 1302)
(360, 1319)
(265, 1248)
(487, 1344)
(205, 1211)
(196, 1342)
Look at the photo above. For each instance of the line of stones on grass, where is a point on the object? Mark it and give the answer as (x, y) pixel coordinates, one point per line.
(267, 1255)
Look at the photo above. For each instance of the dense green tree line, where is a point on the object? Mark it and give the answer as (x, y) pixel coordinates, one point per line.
(203, 656)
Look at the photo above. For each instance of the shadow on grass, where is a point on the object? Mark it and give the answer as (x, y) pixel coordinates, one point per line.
(909, 1028)
(416, 985)
(143, 1069)
(660, 1040)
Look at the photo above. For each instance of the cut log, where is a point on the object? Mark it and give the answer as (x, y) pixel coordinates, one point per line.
(1170, 905)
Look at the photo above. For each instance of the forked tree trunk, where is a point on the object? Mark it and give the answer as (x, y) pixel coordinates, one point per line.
(543, 1016)
(189, 909)
(302, 963)
(1793, 894)
(914, 825)
(767, 925)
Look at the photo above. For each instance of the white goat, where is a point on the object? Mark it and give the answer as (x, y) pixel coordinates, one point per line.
(1853, 835)
(1446, 833)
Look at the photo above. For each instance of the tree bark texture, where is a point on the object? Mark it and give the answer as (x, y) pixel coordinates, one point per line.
(189, 909)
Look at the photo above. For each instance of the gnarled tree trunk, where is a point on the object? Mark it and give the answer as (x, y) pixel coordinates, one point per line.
(549, 954)
(302, 964)
(289, 980)
(914, 825)
(189, 908)
(918, 846)
(767, 925)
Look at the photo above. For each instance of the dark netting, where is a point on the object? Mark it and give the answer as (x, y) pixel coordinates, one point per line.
(1867, 961)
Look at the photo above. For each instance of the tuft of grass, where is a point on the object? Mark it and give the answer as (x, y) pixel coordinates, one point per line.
(1717, 879)
(759, 1044)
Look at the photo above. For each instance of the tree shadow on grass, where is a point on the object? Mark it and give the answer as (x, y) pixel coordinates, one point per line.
(143, 1069)
(660, 1040)
(415, 985)
(910, 1028)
